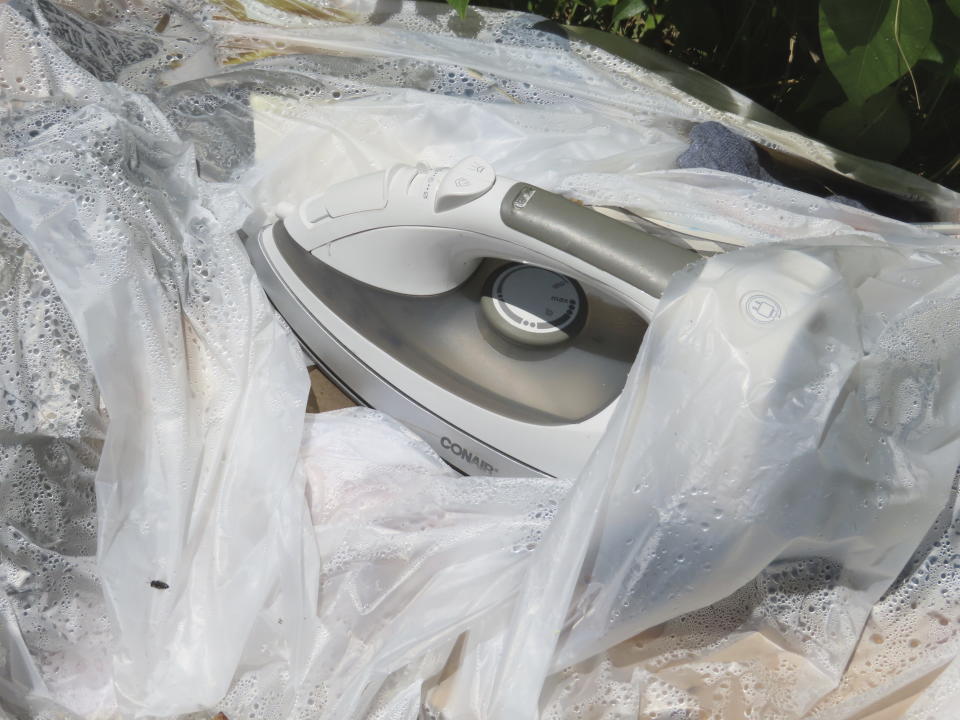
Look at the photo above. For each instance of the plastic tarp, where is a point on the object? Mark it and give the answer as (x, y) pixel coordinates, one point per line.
(766, 530)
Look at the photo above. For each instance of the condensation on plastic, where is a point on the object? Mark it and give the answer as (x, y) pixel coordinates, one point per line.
(836, 446)
(199, 511)
(735, 541)
(412, 553)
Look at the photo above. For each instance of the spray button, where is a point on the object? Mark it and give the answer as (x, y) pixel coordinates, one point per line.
(467, 180)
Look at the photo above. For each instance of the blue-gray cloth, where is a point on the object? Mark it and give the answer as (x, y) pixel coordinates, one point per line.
(717, 147)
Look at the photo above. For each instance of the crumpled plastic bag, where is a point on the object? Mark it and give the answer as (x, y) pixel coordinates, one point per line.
(197, 525)
(243, 565)
(412, 553)
(836, 445)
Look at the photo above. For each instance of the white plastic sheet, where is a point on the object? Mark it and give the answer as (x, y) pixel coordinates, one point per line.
(198, 524)
(727, 548)
(835, 447)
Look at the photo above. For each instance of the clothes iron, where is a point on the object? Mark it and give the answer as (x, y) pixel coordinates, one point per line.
(495, 319)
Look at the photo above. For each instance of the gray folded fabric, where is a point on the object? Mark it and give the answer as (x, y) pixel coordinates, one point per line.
(716, 147)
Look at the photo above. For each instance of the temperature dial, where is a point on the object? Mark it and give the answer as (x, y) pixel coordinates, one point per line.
(533, 306)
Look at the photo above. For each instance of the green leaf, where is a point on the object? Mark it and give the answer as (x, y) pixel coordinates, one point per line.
(861, 48)
(943, 52)
(879, 128)
(944, 45)
(460, 6)
(627, 9)
(823, 90)
(931, 52)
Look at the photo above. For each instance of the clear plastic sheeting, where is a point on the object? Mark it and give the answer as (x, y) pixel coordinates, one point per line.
(767, 530)
(50, 441)
(412, 554)
(836, 448)
(196, 522)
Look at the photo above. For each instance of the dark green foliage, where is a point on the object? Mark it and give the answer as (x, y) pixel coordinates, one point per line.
(880, 78)
(460, 6)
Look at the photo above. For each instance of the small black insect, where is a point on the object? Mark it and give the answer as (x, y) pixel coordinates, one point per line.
(162, 24)
(159, 584)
